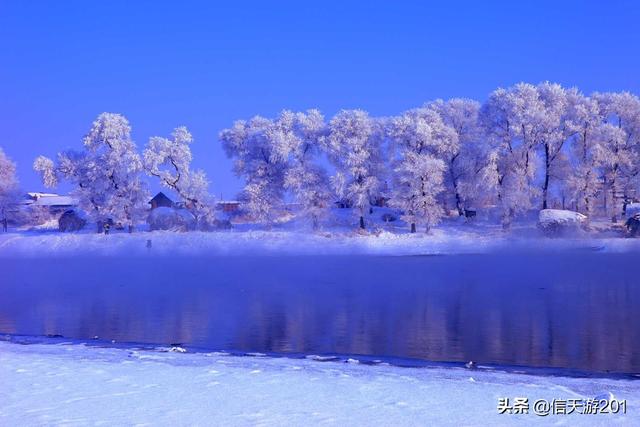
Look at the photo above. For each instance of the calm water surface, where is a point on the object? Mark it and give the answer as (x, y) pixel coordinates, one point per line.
(578, 310)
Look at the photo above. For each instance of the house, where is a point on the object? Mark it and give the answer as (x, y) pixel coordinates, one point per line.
(343, 204)
(379, 201)
(54, 203)
(161, 200)
(228, 206)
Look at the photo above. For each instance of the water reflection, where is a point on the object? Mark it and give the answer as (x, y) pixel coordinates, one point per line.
(572, 310)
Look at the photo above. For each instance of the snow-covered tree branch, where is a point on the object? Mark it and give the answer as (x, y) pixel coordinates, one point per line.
(169, 160)
(106, 173)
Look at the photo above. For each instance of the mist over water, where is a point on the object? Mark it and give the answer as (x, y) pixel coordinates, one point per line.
(546, 309)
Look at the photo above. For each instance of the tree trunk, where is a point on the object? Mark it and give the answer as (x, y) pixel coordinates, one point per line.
(586, 206)
(459, 204)
(413, 227)
(614, 217)
(130, 228)
(454, 181)
(427, 229)
(604, 196)
(5, 225)
(506, 219)
(361, 222)
(547, 166)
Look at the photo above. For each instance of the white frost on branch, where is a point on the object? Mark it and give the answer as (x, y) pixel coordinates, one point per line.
(169, 160)
(354, 144)
(106, 173)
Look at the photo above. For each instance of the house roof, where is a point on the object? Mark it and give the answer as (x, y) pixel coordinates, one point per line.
(36, 195)
(47, 199)
(160, 197)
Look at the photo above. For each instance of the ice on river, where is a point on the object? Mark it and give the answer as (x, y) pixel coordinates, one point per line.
(74, 384)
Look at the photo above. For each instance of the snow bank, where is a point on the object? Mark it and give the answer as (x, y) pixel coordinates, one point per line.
(236, 242)
(440, 241)
(555, 222)
(77, 385)
(561, 216)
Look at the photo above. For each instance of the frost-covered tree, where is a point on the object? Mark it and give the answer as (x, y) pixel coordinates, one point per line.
(106, 173)
(556, 128)
(420, 140)
(527, 145)
(9, 191)
(419, 179)
(584, 182)
(297, 137)
(511, 119)
(464, 155)
(354, 145)
(260, 161)
(169, 160)
(275, 156)
(619, 149)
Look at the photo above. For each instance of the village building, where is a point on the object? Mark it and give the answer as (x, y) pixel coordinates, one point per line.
(53, 203)
(228, 206)
(161, 200)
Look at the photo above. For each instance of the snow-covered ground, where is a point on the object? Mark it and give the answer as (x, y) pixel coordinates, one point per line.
(72, 384)
(339, 235)
(443, 240)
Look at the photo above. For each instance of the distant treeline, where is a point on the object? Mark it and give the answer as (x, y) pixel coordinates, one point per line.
(528, 146)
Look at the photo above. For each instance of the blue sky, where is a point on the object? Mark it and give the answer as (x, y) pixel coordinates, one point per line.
(205, 65)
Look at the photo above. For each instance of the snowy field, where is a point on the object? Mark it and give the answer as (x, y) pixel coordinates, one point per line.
(442, 240)
(71, 384)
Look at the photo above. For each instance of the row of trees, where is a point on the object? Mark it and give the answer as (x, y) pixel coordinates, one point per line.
(527, 147)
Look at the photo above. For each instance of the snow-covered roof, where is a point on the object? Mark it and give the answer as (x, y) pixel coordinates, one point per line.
(36, 195)
(49, 199)
(56, 201)
(161, 197)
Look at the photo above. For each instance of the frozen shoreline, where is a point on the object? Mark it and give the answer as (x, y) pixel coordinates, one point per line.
(459, 240)
(74, 385)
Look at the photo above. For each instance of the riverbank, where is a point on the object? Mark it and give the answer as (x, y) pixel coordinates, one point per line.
(73, 384)
(443, 240)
